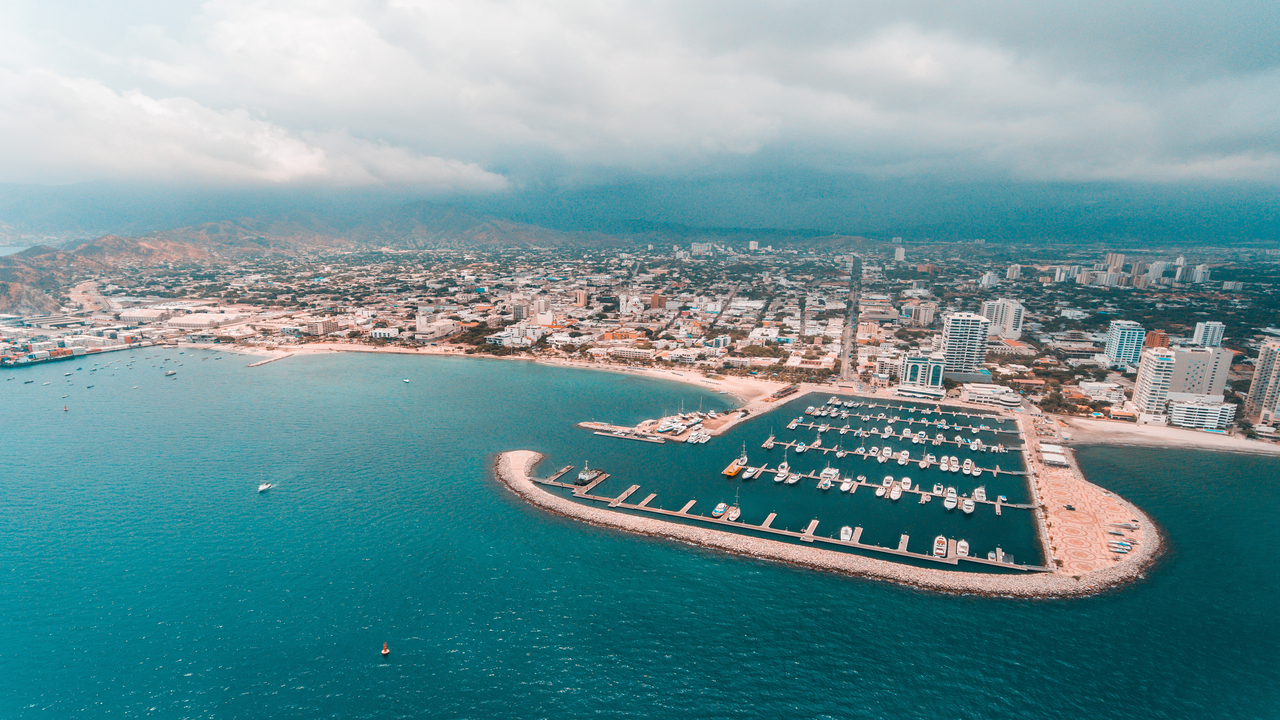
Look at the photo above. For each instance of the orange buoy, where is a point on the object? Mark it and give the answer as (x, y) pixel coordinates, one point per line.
(385, 651)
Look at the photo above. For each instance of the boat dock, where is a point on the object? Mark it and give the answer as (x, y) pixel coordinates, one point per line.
(910, 462)
(997, 503)
(860, 432)
(807, 535)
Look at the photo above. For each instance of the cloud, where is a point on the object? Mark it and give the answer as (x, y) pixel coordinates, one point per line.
(69, 128)
(353, 92)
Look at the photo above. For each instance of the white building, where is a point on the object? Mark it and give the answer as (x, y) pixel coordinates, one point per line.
(1209, 334)
(921, 375)
(899, 254)
(1201, 274)
(1104, 392)
(964, 341)
(1263, 403)
(1013, 273)
(1190, 376)
(1151, 390)
(987, 394)
(1005, 316)
(1124, 342)
(384, 333)
(1201, 414)
(989, 279)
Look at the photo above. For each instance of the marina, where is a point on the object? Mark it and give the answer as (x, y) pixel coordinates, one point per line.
(959, 486)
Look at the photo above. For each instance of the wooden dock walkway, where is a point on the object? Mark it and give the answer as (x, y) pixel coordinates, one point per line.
(626, 494)
(807, 535)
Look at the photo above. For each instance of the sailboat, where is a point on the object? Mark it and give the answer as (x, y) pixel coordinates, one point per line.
(734, 511)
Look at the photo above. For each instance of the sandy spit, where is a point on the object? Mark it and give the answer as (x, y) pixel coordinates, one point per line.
(514, 470)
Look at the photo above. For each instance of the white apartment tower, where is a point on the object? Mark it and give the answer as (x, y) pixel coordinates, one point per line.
(964, 341)
(899, 254)
(1005, 316)
(1201, 274)
(1013, 273)
(1263, 403)
(1209, 334)
(1124, 341)
(1151, 389)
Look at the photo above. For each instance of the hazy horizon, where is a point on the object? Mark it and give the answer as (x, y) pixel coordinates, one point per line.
(1047, 121)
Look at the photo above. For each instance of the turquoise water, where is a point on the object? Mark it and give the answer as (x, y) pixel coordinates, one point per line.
(143, 576)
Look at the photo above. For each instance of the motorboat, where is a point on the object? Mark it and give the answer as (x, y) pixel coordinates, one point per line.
(793, 478)
(887, 481)
(884, 455)
(962, 548)
(967, 469)
(810, 410)
(844, 429)
(940, 546)
(719, 510)
(749, 473)
(967, 505)
(938, 439)
(734, 513)
(265, 487)
(949, 502)
(824, 484)
(862, 478)
(895, 492)
(879, 492)
(846, 533)
(924, 463)
(980, 493)
(937, 489)
(768, 443)
(904, 457)
(801, 447)
(955, 464)
(906, 483)
(873, 452)
(840, 452)
(823, 427)
(976, 471)
(860, 451)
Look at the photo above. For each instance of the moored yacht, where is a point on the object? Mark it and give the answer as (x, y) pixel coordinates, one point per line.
(846, 532)
(904, 457)
(801, 447)
(749, 473)
(962, 548)
(768, 444)
(906, 483)
(967, 506)
(830, 473)
(949, 502)
(940, 546)
(793, 478)
(937, 488)
(955, 464)
(967, 468)
(719, 510)
(844, 429)
(895, 492)
(844, 486)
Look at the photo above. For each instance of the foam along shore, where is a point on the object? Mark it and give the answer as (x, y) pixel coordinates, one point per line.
(514, 469)
(1081, 431)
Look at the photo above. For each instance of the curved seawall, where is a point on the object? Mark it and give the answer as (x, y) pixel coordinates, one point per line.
(514, 469)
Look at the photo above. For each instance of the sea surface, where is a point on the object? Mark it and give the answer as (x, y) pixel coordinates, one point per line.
(144, 576)
(11, 249)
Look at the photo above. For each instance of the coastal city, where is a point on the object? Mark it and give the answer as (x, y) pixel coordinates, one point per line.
(1180, 337)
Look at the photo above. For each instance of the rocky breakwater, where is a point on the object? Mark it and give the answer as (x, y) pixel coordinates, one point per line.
(514, 469)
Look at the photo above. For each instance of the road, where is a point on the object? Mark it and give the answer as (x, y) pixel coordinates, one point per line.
(849, 340)
(86, 295)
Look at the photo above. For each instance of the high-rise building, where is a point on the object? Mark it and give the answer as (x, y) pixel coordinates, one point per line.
(1151, 389)
(989, 279)
(1124, 342)
(1201, 274)
(1013, 273)
(1192, 376)
(753, 245)
(1209, 334)
(1263, 403)
(1115, 262)
(580, 298)
(519, 311)
(1181, 261)
(899, 254)
(541, 305)
(657, 302)
(922, 314)
(1005, 316)
(964, 341)
(1156, 338)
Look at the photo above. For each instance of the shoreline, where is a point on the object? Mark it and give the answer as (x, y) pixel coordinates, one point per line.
(514, 470)
(1080, 431)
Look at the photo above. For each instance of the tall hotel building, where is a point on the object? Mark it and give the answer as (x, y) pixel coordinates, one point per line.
(964, 341)
(1005, 316)
(1124, 342)
(1263, 403)
(1209, 334)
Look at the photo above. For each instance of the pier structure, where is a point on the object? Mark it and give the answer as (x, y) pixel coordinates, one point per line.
(808, 535)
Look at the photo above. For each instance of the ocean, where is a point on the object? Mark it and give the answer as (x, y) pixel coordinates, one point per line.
(145, 576)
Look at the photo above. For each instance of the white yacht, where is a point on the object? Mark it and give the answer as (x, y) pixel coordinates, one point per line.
(887, 481)
(801, 447)
(967, 468)
(830, 473)
(980, 493)
(844, 429)
(793, 478)
(906, 483)
(265, 487)
(937, 488)
(967, 506)
(895, 492)
(749, 473)
(955, 464)
(962, 548)
(976, 471)
(940, 546)
(949, 502)
(840, 452)
(904, 457)
(879, 492)
(846, 532)
(844, 486)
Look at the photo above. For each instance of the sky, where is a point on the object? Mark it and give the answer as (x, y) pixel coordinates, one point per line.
(792, 114)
